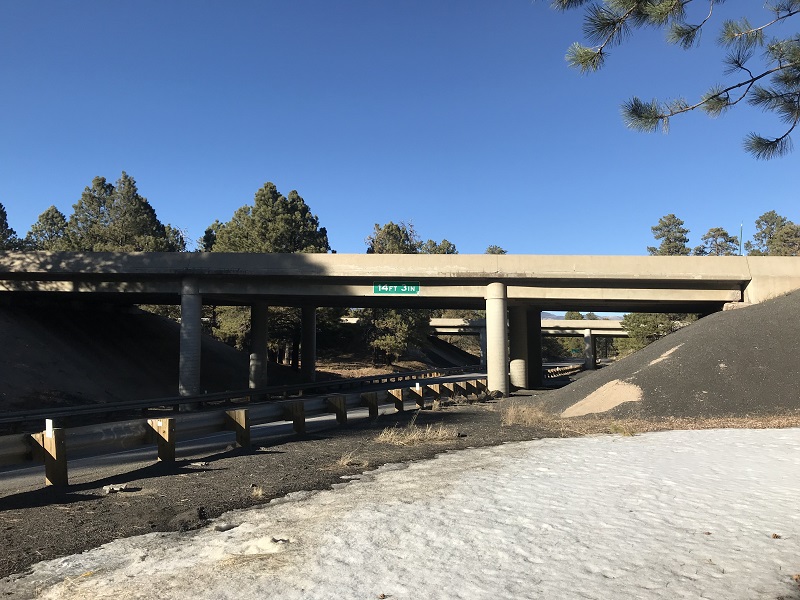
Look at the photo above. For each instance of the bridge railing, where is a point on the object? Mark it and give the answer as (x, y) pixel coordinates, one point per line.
(55, 446)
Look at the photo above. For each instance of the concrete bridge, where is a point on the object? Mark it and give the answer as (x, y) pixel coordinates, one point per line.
(513, 289)
(588, 329)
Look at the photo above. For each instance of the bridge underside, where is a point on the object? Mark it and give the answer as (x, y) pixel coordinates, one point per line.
(513, 290)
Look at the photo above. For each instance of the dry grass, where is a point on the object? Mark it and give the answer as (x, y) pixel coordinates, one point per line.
(350, 459)
(256, 491)
(414, 434)
(548, 424)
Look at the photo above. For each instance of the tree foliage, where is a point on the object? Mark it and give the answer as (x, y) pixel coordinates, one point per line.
(767, 225)
(718, 242)
(274, 223)
(8, 237)
(673, 235)
(762, 71)
(495, 250)
(392, 332)
(48, 232)
(645, 328)
(113, 217)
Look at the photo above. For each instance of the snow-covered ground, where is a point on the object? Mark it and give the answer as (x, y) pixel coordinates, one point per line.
(684, 514)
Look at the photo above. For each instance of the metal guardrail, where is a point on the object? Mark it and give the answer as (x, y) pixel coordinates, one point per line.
(55, 446)
(252, 395)
(554, 372)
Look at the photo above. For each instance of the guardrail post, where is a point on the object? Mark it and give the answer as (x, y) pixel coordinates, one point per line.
(418, 394)
(338, 404)
(436, 390)
(238, 421)
(450, 387)
(165, 437)
(397, 394)
(53, 441)
(296, 413)
(370, 399)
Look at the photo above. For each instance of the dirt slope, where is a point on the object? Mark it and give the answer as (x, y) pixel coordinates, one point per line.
(733, 363)
(60, 355)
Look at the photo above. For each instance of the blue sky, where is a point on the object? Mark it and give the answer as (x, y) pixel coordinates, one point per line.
(460, 116)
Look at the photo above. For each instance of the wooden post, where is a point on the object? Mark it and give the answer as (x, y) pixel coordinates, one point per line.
(296, 413)
(418, 394)
(238, 421)
(436, 390)
(397, 394)
(450, 387)
(338, 404)
(54, 443)
(165, 437)
(370, 399)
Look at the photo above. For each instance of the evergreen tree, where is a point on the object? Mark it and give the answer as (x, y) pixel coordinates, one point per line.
(495, 250)
(116, 218)
(753, 58)
(786, 241)
(767, 225)
(8, 237)
(673, 236)
(443, 247)
(394, 238)
(718, 242)
(48, 232)
(273, 224)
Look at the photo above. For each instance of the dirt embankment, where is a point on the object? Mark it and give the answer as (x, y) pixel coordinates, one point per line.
(729, 364)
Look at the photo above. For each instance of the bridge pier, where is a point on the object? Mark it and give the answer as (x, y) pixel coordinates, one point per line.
(190, 338)
(258, 345)
(497, 338)
(534, 348)
(308, 344)
(518, 346)
(589, 350)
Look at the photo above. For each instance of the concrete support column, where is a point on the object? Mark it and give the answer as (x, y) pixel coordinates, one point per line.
(518, 346)
(308, 344)
(483, 346)
(190, 338)
(589, 352)
(258, 345)
(497, 338)
(534, 349)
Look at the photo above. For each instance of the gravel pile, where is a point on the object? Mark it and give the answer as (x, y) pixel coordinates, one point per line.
(730, 364)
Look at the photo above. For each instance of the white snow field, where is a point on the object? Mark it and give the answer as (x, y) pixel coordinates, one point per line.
(681, 514)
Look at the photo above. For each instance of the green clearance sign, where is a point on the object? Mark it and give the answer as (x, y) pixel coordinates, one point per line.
(396, 287)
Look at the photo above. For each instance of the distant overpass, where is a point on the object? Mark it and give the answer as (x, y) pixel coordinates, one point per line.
(513, 289)
(588, 329)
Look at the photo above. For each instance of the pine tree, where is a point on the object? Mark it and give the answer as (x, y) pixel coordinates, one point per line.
(8, 237)
(273, 223)
(718, 242)
(49, 231)
(673, 236)
(752, 57)
(767, 225)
